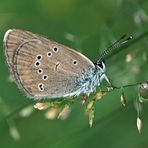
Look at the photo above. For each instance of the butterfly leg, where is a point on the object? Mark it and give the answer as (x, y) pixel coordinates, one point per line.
(106, 78)
(108, 81)
(103, 76)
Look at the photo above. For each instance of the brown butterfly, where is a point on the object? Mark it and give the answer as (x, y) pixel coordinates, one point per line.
(47, 69)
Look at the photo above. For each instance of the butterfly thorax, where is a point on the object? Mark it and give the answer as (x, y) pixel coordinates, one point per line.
(91, 79)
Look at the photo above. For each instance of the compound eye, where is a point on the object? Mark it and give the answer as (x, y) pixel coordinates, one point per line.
(100, 64)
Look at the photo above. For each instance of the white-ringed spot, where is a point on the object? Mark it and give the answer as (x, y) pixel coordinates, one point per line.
(39, 57)
(41, 87)
(55, 49)
(75, 62)
(37, 63)
(40, 71)
(44, 77)
(49, 54)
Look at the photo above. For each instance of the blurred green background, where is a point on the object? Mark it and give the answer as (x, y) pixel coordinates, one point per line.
(89, 27)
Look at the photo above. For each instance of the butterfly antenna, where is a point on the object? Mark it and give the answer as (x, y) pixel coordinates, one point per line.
(124, 39)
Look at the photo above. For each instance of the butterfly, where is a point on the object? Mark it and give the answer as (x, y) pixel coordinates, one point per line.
(43, 68)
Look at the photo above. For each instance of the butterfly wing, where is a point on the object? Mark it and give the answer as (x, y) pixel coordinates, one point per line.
(44, 68)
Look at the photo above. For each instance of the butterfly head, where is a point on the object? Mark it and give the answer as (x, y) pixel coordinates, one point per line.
(100, 66)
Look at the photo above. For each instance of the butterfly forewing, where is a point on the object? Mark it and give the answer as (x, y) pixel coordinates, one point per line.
(44, 68)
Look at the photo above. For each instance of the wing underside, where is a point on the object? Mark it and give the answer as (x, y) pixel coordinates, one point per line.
(44, 68)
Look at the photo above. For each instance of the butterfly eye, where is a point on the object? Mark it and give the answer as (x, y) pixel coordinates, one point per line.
(75, 62)
(55, 49)
(39, 57)
(37, 63)
(41, 86)
(100, 65)
(44, 77)
(40, 71)
(49, 54)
